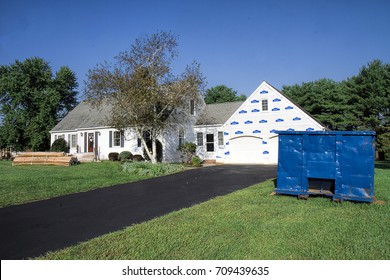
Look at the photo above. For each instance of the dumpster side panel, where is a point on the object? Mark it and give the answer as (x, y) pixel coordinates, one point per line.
(321, 156)
(290, 164)
(357, 166)
(333, 163)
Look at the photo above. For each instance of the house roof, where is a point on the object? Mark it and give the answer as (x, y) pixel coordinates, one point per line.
(218, 113)
(83, 116)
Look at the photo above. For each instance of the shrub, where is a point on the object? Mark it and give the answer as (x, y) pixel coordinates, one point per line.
(196, 161)
(151, 170)
(187, 149)
(125, 155)
(138, 158)
(59, 145)
(113, 156)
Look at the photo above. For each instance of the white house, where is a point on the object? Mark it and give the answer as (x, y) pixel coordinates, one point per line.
(234, 132)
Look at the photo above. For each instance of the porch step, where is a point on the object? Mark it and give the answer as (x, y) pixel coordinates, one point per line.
(85, 157)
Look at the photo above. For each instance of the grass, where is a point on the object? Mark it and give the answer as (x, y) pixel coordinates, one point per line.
(253, 224)
(21, 184)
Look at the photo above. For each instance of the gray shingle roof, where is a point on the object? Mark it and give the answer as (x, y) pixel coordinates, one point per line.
(83, 116)
(218, 113)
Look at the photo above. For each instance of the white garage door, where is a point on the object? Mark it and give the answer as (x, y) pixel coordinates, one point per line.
(246, 150)
(273, 145)
(253, 150)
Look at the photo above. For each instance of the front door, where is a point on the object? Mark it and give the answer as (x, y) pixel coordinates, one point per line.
(90, 142)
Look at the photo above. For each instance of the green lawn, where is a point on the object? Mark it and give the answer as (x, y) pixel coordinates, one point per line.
(253, 224)
(24, 183)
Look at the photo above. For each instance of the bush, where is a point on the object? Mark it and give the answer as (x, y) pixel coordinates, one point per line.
(151, 170)
(138, 158)
(187, 149)
(196, 161)
(59, 145)
(113, 156)
(125, 155)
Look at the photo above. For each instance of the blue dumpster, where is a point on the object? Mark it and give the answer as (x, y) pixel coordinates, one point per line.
(339, 164)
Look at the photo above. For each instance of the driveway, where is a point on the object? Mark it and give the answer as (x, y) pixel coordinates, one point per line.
(32, 229)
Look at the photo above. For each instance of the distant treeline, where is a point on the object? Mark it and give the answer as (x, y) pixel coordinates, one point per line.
(361, 102)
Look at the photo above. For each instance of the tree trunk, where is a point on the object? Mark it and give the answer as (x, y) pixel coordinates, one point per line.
(150, 154)
(154, 150)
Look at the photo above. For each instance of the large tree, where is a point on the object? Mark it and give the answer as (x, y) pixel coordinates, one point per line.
(221, 94)
(143, 92)
(325, 100)
(370, 101)
(361, 102)
(32, 101)
(369, 93)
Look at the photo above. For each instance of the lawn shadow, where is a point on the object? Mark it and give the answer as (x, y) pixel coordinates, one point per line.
(382, 164)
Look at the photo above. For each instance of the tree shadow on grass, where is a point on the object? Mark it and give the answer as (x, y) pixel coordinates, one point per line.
(382, 164)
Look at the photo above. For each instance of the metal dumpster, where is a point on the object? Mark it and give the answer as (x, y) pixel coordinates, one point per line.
(339, 164)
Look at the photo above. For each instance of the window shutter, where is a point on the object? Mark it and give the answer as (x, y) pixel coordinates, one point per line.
(85, 142)
(110, 139)
(122, 139)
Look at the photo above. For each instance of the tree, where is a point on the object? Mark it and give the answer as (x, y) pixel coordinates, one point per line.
(369, 93)
(143, 92)
(221, 94)
(370, 99)
(32, 101)
(324, 100)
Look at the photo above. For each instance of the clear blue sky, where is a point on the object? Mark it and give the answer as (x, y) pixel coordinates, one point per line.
(238, 43)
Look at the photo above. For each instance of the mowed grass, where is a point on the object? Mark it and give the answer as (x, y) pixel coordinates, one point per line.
(21, 184)
(254, 224)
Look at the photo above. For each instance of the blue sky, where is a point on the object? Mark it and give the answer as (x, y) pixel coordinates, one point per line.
(238, 43)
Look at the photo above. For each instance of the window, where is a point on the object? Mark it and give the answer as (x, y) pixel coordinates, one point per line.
(139, 142)
(264, 105)
(199, 139)
(181, 137)
(192, 107)
(117, 138)
(220, 138)
(210, 142)
(73, 141)
(62, 136)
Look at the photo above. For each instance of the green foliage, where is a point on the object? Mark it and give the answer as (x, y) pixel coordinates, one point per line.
(188, 150)
(151, 170)
(325, 101)
(143, 91)
(113, 156)
(221, 94)
(196, 161)
(125, 155)
(361, 102)
(59, 145)
(138, 158)
(369, 93)
(32, 101)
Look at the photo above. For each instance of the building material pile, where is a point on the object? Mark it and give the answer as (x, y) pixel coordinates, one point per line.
(44, 158)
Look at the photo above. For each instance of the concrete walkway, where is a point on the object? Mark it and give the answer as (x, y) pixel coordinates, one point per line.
(32, 229)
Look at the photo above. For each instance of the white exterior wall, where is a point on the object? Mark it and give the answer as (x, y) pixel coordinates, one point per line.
(250, 132)
(201, 150)
(170, 142)
(103, 145)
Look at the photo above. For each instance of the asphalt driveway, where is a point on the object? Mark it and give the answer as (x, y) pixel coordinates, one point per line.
(32, 229)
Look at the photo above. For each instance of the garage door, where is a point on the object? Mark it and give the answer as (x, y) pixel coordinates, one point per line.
(254, 150)
(246, 150)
